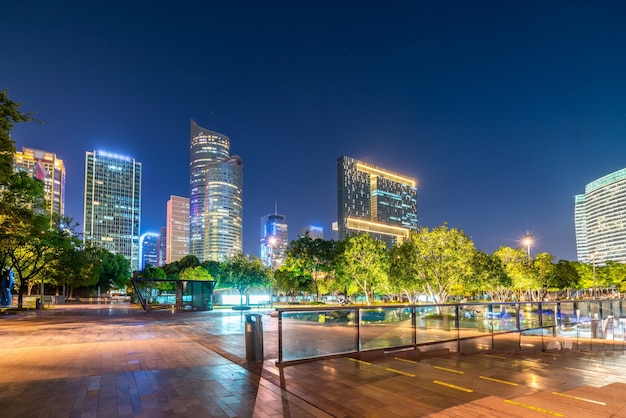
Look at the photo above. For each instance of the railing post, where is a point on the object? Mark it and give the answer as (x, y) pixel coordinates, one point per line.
(414, 325)
(280, 336)
(358, 329)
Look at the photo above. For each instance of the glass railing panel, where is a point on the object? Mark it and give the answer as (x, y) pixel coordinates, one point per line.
(308, 334)
(435, 323)
(386, 327)
(473, 320)
(502, 317)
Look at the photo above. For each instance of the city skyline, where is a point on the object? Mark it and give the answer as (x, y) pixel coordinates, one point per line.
(502, 112)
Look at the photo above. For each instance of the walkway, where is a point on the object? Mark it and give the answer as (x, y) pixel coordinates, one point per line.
(114, 360)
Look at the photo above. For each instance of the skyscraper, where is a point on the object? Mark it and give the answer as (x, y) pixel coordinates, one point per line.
(149, 249)
(206, 147)
(162, 246)
(274, 239)
(112, 205)
(223, 235)
(47, 167)
(375, 200)
(177, 233)
(314, 231)
(600, 220)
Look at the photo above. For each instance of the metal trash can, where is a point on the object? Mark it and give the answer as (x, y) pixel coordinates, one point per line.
(254, 337)
(38, 303)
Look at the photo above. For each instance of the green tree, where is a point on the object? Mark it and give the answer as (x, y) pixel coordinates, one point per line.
(566, 276)
(311, 261)
(489, 277)
(442, 260)
(10, 114)
(31, 253)
(289, 281)
(544, 275)
(195, 273)
(114, 271)
(243, 273)
(365, 262)
(518, 267)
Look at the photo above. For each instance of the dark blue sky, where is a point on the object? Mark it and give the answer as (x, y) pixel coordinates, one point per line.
(503, 111)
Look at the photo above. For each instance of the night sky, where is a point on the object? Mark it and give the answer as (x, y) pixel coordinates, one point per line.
(502, 110)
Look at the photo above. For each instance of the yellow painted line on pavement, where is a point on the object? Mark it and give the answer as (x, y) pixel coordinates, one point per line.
(453, 386)
(574, 369)
(533, 408)
(579, 399)
(449, 370)
(405, 360)
(535, 363)
(359, 361)
(400, 372)
(494, 356)
(506, 382)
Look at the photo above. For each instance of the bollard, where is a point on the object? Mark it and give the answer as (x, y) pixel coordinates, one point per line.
(254, 338)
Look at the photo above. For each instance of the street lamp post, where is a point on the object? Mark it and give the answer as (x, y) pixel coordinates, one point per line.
(593, 264)
(528, 240)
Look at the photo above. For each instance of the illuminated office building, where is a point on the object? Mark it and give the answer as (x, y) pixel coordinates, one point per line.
(274, 240)
(177, 232)
(206, 147)
(149, 250)
(600, 220)
(47, 167)
(112, 205)
(374, 200)
(223, 235)
(314, 232)
(162, 246)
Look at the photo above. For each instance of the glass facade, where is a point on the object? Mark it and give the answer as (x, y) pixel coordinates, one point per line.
(112, 204)
(600, 220)
(48, 168)
(206, 147)
(223, 235)
(374, 200)
(149, 250)
(177, 232)
(274, 240)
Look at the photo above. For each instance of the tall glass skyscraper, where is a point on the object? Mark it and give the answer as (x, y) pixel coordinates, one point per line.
(112, 204)
(600, 220)
(177, 232)
(374, 200)
(224, 210)
(148, 245)
(274, 240)
(206, 147)
(215, 199)
(48, 168)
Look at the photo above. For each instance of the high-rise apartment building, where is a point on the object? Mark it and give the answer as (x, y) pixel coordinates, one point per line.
(223, 237)
(47, 167)
(206, 147)
(177, 232)
(600, 220)
(314, 232)
(148, 248)
(274, 240)
(112, 204)
(162, 246)
(375, 200)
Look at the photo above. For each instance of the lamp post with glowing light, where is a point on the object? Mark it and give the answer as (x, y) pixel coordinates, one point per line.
(528, 240)
(593, 264)
(270, 255)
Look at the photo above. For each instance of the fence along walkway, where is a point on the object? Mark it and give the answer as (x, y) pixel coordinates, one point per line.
(366, 331)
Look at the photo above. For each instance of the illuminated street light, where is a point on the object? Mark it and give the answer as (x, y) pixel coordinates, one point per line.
(593, 263)
(528, 240)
